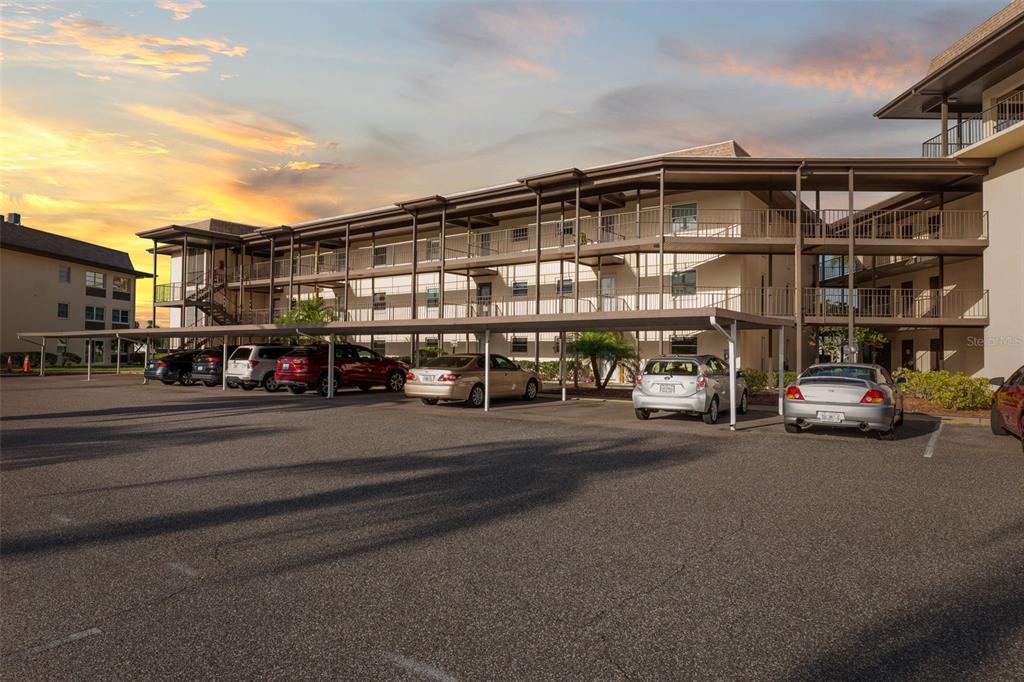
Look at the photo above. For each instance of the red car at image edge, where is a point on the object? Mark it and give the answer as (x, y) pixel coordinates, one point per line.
(305, 368)
(1008, 406)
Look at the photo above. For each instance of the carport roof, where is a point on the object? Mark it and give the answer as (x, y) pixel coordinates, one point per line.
(690, 319)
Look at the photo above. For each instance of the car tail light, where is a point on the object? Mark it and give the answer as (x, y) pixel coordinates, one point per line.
(254, 363)
(639, 379)
(410, 377)
(873, 396)
(793, 393)
(161, 363)
(448, 377)
(702, 381)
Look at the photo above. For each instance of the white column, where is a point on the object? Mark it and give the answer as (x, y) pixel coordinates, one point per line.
(782, 361)
(330, 367)
(487, 370)
(561, 362)
(732, 376)
(88, 359)
(117, 368)
(224, 366)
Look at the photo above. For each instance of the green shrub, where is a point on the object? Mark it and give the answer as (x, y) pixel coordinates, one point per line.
(952, 391)
(757, 381)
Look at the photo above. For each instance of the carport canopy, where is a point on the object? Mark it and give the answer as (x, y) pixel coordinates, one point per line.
(726, 322)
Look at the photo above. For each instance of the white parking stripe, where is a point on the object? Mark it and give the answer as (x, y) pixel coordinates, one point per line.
(930, 448)
(59, 642)
(423, 669)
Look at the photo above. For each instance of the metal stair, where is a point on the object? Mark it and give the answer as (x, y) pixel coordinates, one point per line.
(205, 297)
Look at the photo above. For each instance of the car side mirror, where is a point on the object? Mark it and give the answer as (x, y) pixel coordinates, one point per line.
(900, 381)
(740, 375)
(997, 381)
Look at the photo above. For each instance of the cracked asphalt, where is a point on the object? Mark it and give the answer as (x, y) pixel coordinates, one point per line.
(153, 532)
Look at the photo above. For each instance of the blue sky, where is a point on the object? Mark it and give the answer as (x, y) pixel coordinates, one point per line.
(124, 116)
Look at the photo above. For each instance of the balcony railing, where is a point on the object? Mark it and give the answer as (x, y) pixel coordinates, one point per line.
(896, 224)
(1006, 113)
(961, 304)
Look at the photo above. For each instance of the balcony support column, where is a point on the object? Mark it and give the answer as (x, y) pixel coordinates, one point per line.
(443, 246)
(241, 286)
(373, 280)
(210, 275)
(184, 276)
(600, 273)
(344, 293)
(415, 285)
(561, 260)
(291, 269)
(153, 321)
(536, 262)
(576, 257)
(270, 297)
(638, 233)
(661, 254)
(944, 118)
(798, 248)
(853, 355)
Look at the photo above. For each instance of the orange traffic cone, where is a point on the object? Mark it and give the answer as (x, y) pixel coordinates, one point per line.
(26, 366)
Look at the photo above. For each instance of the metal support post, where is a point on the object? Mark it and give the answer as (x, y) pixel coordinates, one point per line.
(734, 362)
(224, 366)
(782, 365)
(850, 263)
(154, 283)
(330, 366)
(798, 248)
(88, 359)
(487, 370)
(561, 362)
(145, 363)
(42, 358)
(443, 247)
(576, 257)
(291, 270)
(117, 369)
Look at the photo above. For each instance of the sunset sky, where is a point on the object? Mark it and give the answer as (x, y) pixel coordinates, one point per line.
(118, 117)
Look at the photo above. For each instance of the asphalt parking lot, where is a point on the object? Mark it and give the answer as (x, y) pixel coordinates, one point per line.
(184, 532)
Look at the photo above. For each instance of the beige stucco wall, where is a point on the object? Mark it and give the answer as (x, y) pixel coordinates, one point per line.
(30, 287)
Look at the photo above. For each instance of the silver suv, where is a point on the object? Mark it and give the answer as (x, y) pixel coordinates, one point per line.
(693, 384)
(252, 366)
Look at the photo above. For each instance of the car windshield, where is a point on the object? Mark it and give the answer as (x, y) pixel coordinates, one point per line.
(449, 361)
(842, 371)
(676, 368)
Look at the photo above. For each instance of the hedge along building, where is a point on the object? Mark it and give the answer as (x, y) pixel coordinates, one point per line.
(692, 229)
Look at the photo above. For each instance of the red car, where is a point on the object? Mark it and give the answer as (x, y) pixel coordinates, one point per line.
(1008, 406)
(305, 368)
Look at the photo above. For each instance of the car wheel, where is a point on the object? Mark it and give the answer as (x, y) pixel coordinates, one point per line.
(232, 384)
(476, 396)
(166, 383)
(899, 419)
(269, 383)
(642, 413)
(297, 390)
(321, 386)
(209, 384)
(888, 434)
(996, 422)
(742, 407)
(185, 378)
(395, 381)
(247, 386)
(531, 390)
(365, 387)
(428, 401)
(711, 416)
(793, 428)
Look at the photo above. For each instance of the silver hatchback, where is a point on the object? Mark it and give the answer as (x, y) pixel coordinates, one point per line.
(691, 384)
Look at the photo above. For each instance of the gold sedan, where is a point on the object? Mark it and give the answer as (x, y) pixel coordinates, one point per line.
(461, 378)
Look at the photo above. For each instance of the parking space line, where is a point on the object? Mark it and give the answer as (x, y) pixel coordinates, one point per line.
(930, 448)
(422, 669)
(59, 642)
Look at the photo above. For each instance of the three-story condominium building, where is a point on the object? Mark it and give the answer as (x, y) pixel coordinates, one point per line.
(48, 281)
(935, 268)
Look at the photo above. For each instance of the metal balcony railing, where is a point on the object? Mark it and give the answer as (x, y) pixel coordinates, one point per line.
(916, 304)
(1007, 112)
(896, 224)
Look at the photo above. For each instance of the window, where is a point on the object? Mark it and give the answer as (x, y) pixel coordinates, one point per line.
(608, 228)
(566, 227)
(380, 255)
(485, 244)
(433, 297)
(520, 289)
(380, 346)
(242, 353)
(380, 301)
(503, 363)
(97, 351)
(365, 353)
(675, 368)
(122, 287)
(94, 313)
(716, 366)
(95, 280)
(63, 311)
(270, 353)
(564, 287)
(520, 344)
(430, 343)
(64, 274)
(684, 218)
(62, 346)
(434, 249)
(520, 234)
(683, 345)
(119, 316)
(684, 283)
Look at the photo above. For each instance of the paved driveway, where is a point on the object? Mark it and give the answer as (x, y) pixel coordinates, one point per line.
(169, 533)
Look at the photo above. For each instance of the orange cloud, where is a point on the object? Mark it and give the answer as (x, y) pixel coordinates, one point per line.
(233, 127)
(182, 9)
(112, 49)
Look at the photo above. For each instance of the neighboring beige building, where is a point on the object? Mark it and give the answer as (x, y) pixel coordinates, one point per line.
(938, 265)
(52, 282)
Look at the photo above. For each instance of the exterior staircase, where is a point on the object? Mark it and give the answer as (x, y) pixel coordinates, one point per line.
(210, 296)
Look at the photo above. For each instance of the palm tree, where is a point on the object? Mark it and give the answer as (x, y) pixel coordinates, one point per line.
(609, 347)
(308, 311)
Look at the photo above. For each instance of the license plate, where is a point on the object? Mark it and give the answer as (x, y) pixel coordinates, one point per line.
(284, 366)
(831, 417)
(200, 368)
(427, 378)
(667, 389)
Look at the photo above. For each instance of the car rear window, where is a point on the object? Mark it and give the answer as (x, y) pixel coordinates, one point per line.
(241, 353)
(840, 371)
(301, 352)
(274, 353)
(449, 361)
(676, 368)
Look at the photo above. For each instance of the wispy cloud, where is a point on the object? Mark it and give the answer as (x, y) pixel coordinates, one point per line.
(232, 126)
(113, 49)
(92, 76)
(518, 37)
(182, 9)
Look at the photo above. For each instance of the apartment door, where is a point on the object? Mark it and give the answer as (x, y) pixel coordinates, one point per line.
(907, 354)
(935, 354)
(608, 300)
(483, 299)
(485, 243)
(907, 299)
